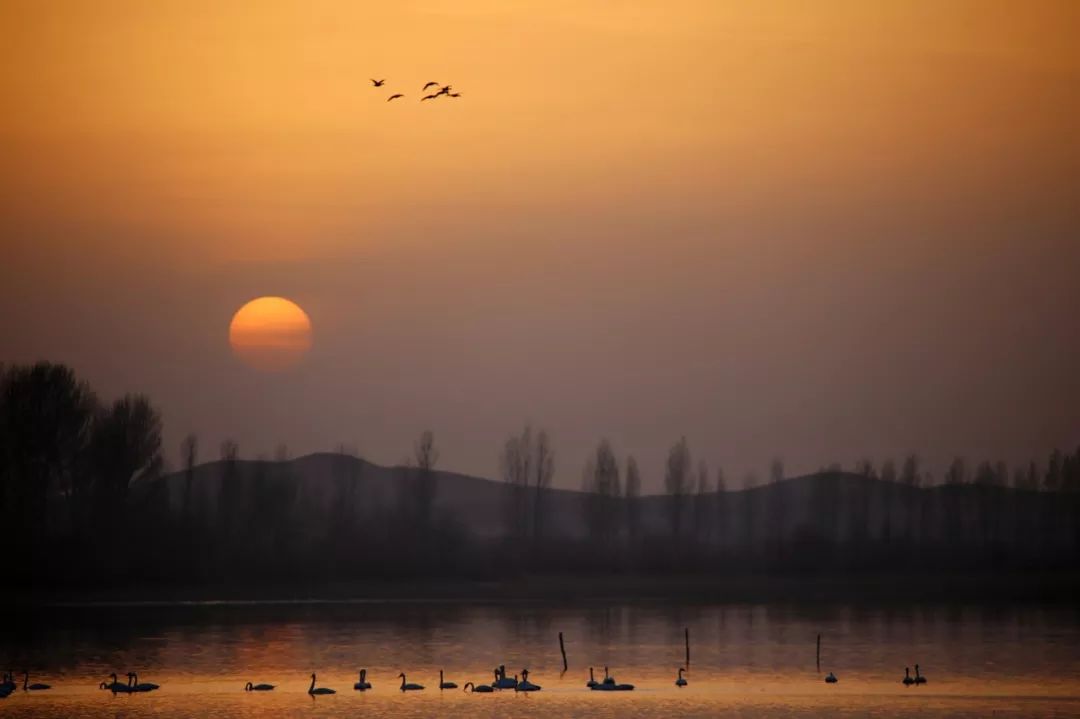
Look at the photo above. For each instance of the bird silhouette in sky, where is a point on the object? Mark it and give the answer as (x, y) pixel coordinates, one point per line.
(429, 97)
(445, 90)
(394, 97)
(453, 94)
(378, 83)
(429, 84)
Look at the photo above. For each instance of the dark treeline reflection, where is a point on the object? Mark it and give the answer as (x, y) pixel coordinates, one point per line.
(86, 502)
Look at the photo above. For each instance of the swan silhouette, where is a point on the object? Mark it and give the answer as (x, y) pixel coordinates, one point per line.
(610, 685)
(7, 686)
(919, 678)
(478, 688)
(501, 680)
(680, 682)
(32, 687)
(428, 84)
(394, 96)
(831, 679)
(363, 685)
(908, 681)
(249, 687)
(378, 83)
(592, 681)
(409, 687)
(445, 685)
(321, 690)
(133, 679)
(525, 685)
(116, 687)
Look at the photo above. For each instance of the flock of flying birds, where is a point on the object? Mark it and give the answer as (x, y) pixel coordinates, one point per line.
(441, 90)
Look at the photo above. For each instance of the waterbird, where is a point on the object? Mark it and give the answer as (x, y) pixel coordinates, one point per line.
(378, 83)
(394, 96)
(249, 687)
(501, 680)
(133, 680)
(9, 682)
(478, 688)
(445, 685)
(831, 679)
(321, 690)
(680, 682)
(409, 687)
(32, 687)
(430, 83)
(908, 681)
(429, 97)
(444, 90)
(453, 94)
(610, 685)
(116, 687)
(919, 678)
(592, 681)
(525, 685)
(363, 685)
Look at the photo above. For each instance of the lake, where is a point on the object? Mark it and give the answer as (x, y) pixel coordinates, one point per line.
(746, 660)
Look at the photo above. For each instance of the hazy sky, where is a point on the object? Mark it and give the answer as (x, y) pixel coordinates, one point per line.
(813, 230)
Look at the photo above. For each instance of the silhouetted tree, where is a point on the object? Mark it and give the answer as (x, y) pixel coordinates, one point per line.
(514, 463)
(633, 501)
(701, 504)
(721, 520)
(776, 470)
(603, 494)
(229, 491)
(189, 453)
(543, 469)
(676, 484)
(426, 455)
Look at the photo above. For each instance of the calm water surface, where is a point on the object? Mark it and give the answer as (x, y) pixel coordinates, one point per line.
(746, 661)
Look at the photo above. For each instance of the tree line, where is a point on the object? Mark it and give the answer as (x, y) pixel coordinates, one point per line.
(85, 500)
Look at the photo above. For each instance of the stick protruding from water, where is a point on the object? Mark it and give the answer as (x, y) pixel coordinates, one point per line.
(562, 648)
(819, 653)
(686, 632)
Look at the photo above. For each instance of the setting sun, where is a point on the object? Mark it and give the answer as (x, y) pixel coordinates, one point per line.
(270, 334)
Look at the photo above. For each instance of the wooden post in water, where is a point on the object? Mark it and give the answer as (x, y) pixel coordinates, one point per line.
(562, 648)
(819, 653)
(687, 633)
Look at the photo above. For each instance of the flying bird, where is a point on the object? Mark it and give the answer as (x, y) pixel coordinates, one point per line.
(429, 84)
(429, 97)
(445, 90)
(454, 94)
(394, 97)
(378, 83)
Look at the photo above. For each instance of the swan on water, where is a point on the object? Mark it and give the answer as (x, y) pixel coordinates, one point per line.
(919, 678)
(609, 684)
(363, 685)
(501, 680)
(133, 680)
(592, 680)
(478, 688)
(312, 690)
(116, 687)
(32, 687)
(831, 679)
(249, 687)
(525, 685)
(409, 687)
(908, 681)
(445, 685)
(680, 682)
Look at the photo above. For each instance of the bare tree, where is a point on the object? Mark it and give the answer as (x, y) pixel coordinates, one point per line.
(513, 466)
(633, 500)
(543, 470)
(189, 450)
(721, 520)
(426, 455)
(603, 493)
(676, 484)
(701, 503)
(776, 470)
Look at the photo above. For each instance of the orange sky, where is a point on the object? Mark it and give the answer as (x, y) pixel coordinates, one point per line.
(765, 225)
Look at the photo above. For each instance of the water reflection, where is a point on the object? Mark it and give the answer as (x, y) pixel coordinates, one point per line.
(749, 660)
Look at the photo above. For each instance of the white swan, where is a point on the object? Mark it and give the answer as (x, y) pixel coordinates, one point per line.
(409, 687)
(321, 690)
(249, 687)
(363, 685)
(680, 682)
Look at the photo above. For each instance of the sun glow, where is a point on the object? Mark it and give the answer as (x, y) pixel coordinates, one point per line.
(270, 334)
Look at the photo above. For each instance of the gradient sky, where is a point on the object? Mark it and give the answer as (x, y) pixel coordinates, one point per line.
(814, 230)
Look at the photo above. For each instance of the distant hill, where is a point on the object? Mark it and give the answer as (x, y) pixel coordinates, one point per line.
(833, 505)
